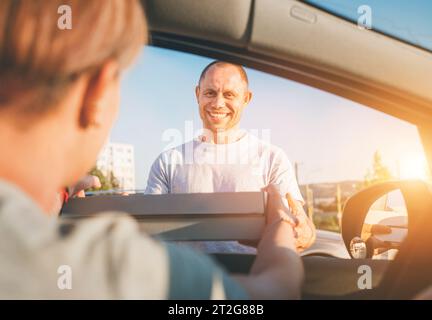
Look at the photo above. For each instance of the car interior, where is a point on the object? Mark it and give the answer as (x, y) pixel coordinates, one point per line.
(301, 42)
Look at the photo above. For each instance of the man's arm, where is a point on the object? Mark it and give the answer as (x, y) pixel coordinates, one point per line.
(158, 181)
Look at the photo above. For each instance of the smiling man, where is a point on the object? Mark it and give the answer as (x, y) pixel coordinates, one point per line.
(225, 158)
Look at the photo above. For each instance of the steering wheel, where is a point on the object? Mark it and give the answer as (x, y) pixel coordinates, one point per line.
(411, 270)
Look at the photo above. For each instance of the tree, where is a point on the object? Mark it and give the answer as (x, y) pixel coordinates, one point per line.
(379, 172)
(108, 182)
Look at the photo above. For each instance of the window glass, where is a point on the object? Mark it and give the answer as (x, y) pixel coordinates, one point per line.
(336, 146)
(408, 21)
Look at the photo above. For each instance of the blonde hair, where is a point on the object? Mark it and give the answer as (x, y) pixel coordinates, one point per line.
(38, 59)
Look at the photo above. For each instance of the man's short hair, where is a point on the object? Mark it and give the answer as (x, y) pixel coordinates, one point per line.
(240, 69)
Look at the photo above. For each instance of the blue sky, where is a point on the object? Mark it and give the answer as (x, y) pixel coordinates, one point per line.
(409, 20)
(332, 138)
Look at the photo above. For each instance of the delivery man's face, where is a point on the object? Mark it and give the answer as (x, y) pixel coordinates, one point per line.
(222, 95)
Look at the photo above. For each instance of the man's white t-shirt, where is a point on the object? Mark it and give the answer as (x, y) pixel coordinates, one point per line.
(249, 164)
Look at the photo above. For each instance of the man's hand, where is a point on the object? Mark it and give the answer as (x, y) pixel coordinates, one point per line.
(275, 211)
(276, 208)
(305, 229)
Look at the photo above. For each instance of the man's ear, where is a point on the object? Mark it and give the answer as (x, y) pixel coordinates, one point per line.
(248, 97)
(99, 86)
(197, 92)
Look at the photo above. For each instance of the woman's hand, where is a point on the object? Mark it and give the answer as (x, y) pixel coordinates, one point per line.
(78, 190)
(85, 183)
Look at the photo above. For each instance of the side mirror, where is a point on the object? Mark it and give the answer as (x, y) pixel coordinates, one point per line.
(375, 220)
(410, 271)
(385, 226)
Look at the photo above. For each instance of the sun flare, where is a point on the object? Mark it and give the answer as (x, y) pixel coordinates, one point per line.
(413, 166)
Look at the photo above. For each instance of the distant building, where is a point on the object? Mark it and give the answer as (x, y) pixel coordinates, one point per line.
(118, 158)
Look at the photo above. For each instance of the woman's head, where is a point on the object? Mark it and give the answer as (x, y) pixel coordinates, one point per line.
(50, 75)
(37, 55)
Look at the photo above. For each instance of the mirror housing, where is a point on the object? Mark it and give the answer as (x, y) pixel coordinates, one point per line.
(357, 208)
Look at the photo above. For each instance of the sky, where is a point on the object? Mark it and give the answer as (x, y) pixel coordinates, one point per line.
(409, 20)
(331, 138)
